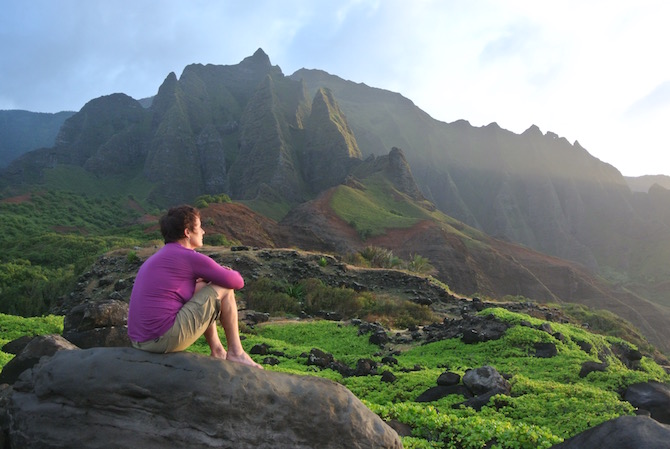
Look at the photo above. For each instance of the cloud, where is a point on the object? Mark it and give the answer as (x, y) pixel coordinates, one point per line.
(657, 99)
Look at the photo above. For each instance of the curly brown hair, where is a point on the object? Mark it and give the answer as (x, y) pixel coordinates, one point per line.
(176, 221)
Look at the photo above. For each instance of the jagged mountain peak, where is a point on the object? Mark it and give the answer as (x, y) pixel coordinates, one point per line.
(325, 110)
(532, 131)
(401, 174)
(258, 61)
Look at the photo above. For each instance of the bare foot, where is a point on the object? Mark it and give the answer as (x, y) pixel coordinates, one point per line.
(219, 353)
(243, 358)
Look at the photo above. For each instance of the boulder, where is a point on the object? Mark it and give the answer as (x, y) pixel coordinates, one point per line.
(123, 397)
(484, 379)
(653, 397)
(448, 378)
(625, 432)
(590, 366)
(97, 323)
(545, 350)
(441, 391)
(30, 355)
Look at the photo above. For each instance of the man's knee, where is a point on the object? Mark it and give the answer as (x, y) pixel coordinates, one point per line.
(224, 293)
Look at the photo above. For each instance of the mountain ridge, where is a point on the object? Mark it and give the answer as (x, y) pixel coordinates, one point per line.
(278, 142)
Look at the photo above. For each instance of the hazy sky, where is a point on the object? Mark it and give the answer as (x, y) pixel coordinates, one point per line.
(593, 71)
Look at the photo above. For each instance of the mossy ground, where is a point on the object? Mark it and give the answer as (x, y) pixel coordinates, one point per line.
(548, 403)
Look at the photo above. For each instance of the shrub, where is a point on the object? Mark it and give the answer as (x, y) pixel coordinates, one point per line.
(204, 201)
(132, 257)
(218, 240)
(312, 296)
(319, 296)
(419, 264)
(263, 295)
(380, 257)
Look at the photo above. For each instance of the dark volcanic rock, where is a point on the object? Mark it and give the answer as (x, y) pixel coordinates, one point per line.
(590, 366)
(545, 350)
(436, 393)
(651, 396)
(484, 379)
(129, 398)
(625, 432)
(30, 355)
(96, 324)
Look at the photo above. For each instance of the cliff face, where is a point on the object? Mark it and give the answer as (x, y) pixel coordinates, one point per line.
(330, 146)
(267, 147)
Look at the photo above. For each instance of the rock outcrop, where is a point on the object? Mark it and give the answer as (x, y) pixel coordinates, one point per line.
(122, 397)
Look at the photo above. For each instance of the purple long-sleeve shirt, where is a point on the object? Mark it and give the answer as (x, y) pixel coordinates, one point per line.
(165, 282)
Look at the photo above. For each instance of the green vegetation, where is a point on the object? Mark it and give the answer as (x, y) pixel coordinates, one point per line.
(13, 327)
(273, 208)
(71, 178)
(378, 257)
(204, 201)
(50, 237)
(549, 402)
(374, 210)
(313, 297)
(378, 207)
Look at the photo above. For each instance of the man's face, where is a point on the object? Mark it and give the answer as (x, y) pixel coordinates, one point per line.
(195, 235)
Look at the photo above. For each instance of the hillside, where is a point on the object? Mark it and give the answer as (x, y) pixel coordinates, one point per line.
(347, 219)
(549, 395)
(644, 183)
(23, 131)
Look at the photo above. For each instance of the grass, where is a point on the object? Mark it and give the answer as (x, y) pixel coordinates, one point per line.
(270, 207)
(13, 327)
(380, 207)
(375, 210)
(549, 402)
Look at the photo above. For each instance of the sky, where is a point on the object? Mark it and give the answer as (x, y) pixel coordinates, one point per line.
(592, 71)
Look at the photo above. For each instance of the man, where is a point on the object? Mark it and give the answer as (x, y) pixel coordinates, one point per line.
(179, 294)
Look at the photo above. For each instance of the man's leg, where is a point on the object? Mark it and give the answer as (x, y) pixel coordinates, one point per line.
(197, 317)
(228, 317)
(214, 342)
(211, 334)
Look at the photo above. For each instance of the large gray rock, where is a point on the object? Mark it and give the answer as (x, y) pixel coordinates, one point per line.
(122, 397)
(625, 432)
(95, 324)
(485, 379)
(30, 355)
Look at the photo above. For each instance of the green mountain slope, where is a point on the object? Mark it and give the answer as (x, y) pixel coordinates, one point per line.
(534, 189)
(374, 209)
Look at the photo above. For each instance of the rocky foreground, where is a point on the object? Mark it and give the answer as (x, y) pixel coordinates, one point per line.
(89, 390)
(122, 397)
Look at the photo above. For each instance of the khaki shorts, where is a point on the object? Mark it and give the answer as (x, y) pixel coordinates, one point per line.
(192, 320)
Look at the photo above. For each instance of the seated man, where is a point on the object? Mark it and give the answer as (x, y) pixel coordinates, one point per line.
(179, 294)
